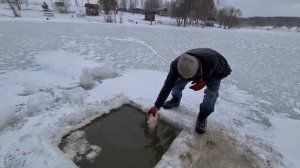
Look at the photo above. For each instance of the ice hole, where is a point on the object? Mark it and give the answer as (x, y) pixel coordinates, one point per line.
(119, 139)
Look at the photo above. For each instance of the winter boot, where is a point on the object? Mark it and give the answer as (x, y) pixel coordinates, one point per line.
(171, 103)
(201, 123)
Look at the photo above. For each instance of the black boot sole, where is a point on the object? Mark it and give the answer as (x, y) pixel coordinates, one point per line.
(169, 107)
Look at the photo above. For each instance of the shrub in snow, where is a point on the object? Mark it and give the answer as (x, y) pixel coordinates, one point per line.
(74, 96)
(39, 102)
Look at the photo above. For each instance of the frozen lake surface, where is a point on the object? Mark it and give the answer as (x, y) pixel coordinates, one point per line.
(264, 63)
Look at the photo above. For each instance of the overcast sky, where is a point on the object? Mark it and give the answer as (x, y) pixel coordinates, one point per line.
(267, 7)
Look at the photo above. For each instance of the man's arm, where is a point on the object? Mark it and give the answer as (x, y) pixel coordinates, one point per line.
(168, 85)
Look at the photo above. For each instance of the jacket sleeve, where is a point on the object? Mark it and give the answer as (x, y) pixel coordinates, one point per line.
(222, 71)
(169, 83)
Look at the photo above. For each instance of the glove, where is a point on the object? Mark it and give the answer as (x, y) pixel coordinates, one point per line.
(198, 85)
(153, 110)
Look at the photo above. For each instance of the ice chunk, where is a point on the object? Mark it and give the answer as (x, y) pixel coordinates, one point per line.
(86, 80)
(29, 90)
(39, 102)
(95, 150)
(77, 147)
(75, 96)
(5, 115)
(104, 72)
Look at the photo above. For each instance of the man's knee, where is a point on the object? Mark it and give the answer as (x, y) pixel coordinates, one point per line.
(209, 101)
(213, 95)
(214, 85)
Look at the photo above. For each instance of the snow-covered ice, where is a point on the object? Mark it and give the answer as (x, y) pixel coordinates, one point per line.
(44, 66)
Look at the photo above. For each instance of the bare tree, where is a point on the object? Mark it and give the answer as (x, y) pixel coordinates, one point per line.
(15, 6)
(187, 7)
(195, 14)
(209, 10)
(67, 5)
(221, 17)
(123, 4)
(110, 8)
(228, 17)
(192, 11)
(181, 10)
(121, 17)
(176, 11)
(132, 6)
(168, 5)
(233, 18)
(135, 3)
(151, 5)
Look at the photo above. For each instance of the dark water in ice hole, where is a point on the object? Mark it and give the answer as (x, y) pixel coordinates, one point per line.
(125, 142)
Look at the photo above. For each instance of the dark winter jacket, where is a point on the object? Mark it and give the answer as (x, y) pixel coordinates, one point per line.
(214, 67)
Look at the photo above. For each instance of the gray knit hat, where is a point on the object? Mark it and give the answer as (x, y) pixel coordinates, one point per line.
(188, 66)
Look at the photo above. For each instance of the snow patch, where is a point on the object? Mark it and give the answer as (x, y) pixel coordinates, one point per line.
(75, 96)
(286, 138)
(39, 102)
(28, 90)
(64, 63)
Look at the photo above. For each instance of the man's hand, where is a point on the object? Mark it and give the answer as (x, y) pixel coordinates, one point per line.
(198, 85)
(153, 110)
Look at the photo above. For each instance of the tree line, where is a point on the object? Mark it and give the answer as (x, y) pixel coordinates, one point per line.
(199, 13)
(186, 12)
(270, 21)
(203, 12)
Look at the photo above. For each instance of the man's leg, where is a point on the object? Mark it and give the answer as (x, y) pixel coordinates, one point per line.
(208, 104)
(176, 94)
